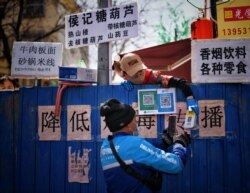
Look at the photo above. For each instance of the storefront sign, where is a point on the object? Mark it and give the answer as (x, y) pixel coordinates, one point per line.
(100, 26)
(233, 19)
(36, 59)
(221, 60)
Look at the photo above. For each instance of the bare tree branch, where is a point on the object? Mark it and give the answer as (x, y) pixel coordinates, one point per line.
(12, 26)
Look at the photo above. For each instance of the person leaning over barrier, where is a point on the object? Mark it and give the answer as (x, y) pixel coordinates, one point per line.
(129, 162)
(131, 68)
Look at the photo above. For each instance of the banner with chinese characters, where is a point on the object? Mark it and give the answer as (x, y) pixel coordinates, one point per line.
(156, 101)
(146, 124)
(102, 25)
(181, 108)
(49, 128)
(211, 118)
(221, 61)
(233, 19)
(78, 165)
(78, 122)
(105, 132)
(36, 59)
(211, 121)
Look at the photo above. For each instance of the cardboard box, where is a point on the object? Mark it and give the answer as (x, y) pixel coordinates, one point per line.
(76, 74)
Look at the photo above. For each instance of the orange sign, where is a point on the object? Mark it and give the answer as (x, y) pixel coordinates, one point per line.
(233, 19)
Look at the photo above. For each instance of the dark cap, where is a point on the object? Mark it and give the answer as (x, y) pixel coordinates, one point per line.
(117, 115)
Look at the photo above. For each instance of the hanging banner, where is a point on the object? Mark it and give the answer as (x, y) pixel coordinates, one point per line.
(102, 25)
(221, 61)
(36, 59)
(233, 19)
(78, 122)
(156, 101)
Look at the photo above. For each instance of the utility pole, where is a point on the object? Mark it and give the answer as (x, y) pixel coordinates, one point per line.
(104, 54)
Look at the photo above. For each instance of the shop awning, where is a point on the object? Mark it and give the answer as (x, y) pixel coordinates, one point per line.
(171, 58)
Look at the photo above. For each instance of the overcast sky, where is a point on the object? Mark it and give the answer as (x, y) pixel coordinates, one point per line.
(158, 8)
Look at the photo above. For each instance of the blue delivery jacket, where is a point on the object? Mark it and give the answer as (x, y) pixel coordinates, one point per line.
(144, 157)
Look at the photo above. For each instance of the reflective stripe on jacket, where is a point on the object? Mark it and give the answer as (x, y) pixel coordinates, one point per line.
(142, 156)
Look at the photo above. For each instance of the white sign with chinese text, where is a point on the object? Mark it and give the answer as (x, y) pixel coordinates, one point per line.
(36, 59)
(146, 124)
(181, 108)
(78, 165)
(102, 25)
(105, 132)
(48, 124)
(211, 118)
(220, 61)
(78, 122)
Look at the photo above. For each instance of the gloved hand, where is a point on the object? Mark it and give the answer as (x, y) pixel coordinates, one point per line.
(127, 85)
(183, 139)
(167, 139)
(193, 105)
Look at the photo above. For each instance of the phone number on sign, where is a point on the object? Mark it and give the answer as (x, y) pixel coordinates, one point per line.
(236, 31)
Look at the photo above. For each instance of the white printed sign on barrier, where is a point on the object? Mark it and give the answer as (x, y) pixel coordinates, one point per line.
(36, 59)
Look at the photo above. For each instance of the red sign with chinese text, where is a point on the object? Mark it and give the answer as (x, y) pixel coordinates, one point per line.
(236, 13)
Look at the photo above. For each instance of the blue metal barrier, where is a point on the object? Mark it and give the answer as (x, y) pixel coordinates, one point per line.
(28, 165)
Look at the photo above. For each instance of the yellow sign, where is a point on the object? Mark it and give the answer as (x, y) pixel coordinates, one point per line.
(233, 19)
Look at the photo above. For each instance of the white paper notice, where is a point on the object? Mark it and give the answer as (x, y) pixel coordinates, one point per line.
(211, 118)
(36, 59)
(48, 124)
(78, 166)
(78, 122)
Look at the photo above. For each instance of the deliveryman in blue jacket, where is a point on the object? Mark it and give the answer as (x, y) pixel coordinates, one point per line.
(130, 163)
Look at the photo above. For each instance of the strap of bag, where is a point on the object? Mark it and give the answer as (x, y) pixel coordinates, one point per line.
(154, 183)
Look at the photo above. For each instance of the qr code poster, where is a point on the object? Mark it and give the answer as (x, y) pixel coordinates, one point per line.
(156, 101)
